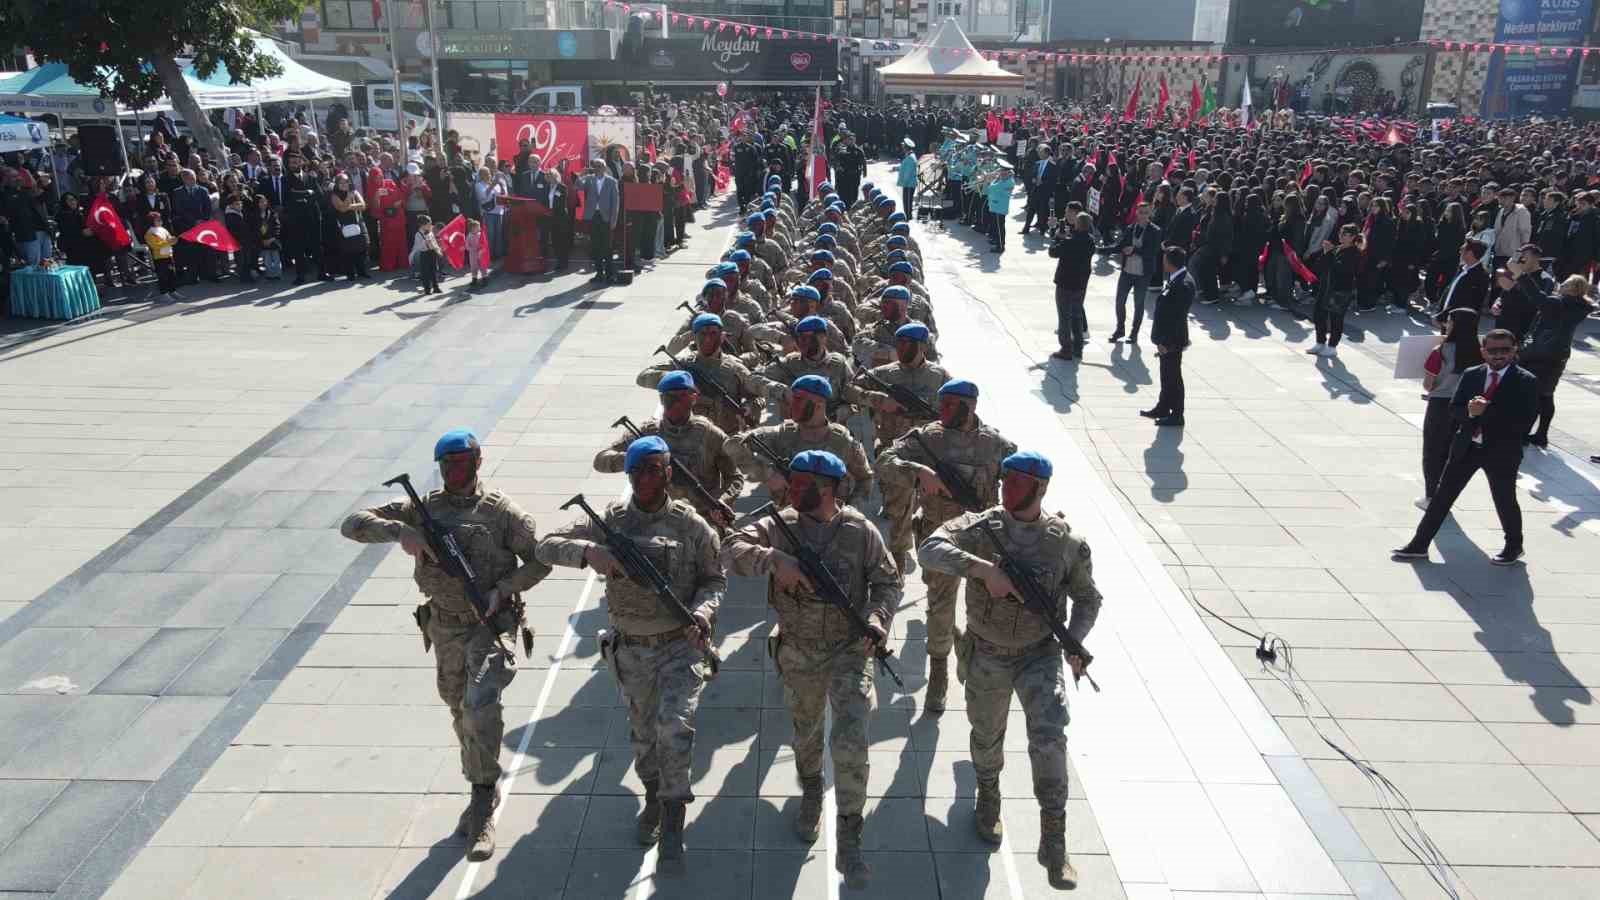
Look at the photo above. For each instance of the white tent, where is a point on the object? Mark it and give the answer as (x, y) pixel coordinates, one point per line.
(295, 83)
(948, 64)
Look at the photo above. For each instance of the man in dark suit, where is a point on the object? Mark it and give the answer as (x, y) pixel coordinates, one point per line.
(1180, 231)
(1169, 331)
(1140, 252)
(1522, 291)
(555, 231)
(1493, 407)
(273, 182)
(1469, 286)
(191, 205)
(1042, 189)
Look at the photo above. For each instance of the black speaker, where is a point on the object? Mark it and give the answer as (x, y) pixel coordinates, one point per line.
(98, 144)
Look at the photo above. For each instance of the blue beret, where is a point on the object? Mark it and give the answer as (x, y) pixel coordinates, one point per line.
(743, 239)
(677, 380)
(831, 199)
(739, 256)
(817, 462)
(813, 384)
(820, 275)
(649, 445)
(1028, 463)
(461, 440)
(754, 219)
(868, 186)
(895, 241)
(896, 255)
(713, 284)
(959, 387)
(901, 268)
(768, 214)
(774, 179)
(821, 256)
(725, 268)
(766, 204)
(806, 291)
(836, 206)
(885, 201)
(810, 324)
(825, 186)
(826, 240)
(704, 321)
(912, 331)
(899, 228)
(828, 228)
(897, 292)
(896, 217)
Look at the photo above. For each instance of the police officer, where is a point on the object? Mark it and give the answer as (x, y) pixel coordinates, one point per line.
(975, 450)
(806, 428)
(810, 632)
(695, 442)
(849, 164)
(472, 663)
(656, 658)
(730, 374)
(1007, 649)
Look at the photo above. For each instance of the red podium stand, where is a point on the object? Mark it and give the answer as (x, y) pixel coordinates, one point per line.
(525, 224)
(638, 198)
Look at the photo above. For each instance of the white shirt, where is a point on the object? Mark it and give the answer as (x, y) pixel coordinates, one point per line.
(1453, 282)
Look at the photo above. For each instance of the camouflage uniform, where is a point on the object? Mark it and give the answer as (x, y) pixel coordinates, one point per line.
(698, 444)
(788, 438)
(472, 665)
(762, 271)
(1009, 649)
(727, 372)
(918, 310)
(808, 632)
(976, 454)
(656, 665)
(768, 250)
(874, 344)
(924, 380)
(781, 328)
(735, 332)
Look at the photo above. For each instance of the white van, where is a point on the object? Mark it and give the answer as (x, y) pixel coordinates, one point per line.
(555, 98)
(374, 105)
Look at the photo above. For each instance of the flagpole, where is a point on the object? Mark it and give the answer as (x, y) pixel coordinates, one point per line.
(433, 72)
(394, 76)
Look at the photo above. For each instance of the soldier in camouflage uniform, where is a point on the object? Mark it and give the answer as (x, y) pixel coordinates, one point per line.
(728, 273)
(874, 344)
(811, 631)
(838, 300)
(1007, 649)
(766, 245)
(724, 369)
(976, 451)
(750, 287)
(804, 301)
(695, 442)
(807, 428)
(760, 268)
(811, 357)
(735, 325)
(656, 658)
(912, 371)
(472, 663)
(918, 306)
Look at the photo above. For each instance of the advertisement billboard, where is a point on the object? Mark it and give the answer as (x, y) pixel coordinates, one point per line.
(712, 58)
(1321, 23)
(1529, 83)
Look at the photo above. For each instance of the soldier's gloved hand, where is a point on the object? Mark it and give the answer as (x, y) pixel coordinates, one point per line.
(700, 635)
(413, 543)
(998, 584)
(598, 557)
(722, 514)
(928, 479)
(1076, 664)
(493, 599)
(789, 576)
(878, 639)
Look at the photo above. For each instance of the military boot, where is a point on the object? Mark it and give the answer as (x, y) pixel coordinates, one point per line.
(987, 822)
(485, 798)
(650, 816)
(1053, 851)
(671, 846)
(848, 859)
(808, 823)
(938, 682)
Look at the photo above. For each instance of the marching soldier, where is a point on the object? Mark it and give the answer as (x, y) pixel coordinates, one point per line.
(714, 300)
(693, 441)
(728, 273)
(746, 241)
(749, 286)
(806, 428)
(874, 345)
(1008, 649)
(804, 301)
(976, 451)
(726, 372)
(472, 664)
(918, 307)
(838, 298)
(812, 357)
(656, 658)
(761, 246)
(806, 648)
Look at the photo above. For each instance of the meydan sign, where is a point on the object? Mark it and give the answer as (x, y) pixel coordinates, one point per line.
(731, 56)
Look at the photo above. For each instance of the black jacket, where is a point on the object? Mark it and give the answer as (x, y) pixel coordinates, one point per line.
(1582, 245)
(1044, 186)
(1551, 233)
(1217, 225)
(1521, 304)
(1074, 254)
(1170, 324)
(1511, 411)
(1149, 249)
(1181, 231)
(1472, 291)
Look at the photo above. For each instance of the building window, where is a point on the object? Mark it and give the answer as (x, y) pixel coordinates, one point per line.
(874, 28)
(902, 28)
(343, 15)
(994, 7)
(948, 8)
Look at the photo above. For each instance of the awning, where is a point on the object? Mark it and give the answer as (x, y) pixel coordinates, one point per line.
(18, 135)
(948, 64)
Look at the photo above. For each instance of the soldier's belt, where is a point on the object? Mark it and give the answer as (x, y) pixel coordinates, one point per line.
(817, 644)
(983, 646)
(651, 640)
(453, 617)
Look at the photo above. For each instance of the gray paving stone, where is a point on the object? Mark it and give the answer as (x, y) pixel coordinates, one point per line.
(160, 550)
(286, 602)
(156, 739)
(76, 666)
(323, 509)
(709, 873)
(217, 551)
(228, 662)
(77, 738)
(24, 716)
(159, 662)
(21, 801)
(126, 598)
(48, 849)
(268, 509)
(248, 873)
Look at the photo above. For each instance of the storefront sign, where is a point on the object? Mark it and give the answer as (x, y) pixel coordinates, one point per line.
(1529, 82)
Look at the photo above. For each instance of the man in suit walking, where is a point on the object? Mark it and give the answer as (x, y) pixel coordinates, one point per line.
(1470, 285)
(1140, 251)
(1169, 331)
(1493, 407)
(1041, 190)
(601, 200)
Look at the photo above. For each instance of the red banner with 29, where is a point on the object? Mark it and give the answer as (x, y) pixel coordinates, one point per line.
(561, 142)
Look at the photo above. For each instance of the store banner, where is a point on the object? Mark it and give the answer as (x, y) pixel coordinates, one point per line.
(1529, 83)
(560, 141)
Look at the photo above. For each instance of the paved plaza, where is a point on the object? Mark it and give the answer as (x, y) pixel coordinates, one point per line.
(205, 692)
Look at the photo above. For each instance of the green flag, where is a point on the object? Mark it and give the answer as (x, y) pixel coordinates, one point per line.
(1210, 104)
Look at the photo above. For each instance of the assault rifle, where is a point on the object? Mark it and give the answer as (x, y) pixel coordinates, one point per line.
(764, 450)
(902, 395)
(1035, 598)
(682, 475)
(708, 385)
(448, 555)
(642, 571)
(961, 490)
(829, 590)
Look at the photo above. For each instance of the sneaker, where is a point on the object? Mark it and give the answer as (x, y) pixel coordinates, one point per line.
(1408, 552)
(1317, 350)
(1507, 557)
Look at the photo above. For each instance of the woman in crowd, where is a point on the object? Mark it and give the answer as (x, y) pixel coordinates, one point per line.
(1411, 239)
(1448, 235)
(1251, 235)
(77, 239)
(1549, 344)
(488, 191)
(348, 208)
(1341, 277)
(1280, 274)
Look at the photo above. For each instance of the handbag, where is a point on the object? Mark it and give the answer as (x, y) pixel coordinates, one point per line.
(351, 230)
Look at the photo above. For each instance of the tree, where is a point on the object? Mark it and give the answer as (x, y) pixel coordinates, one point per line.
(129, 49)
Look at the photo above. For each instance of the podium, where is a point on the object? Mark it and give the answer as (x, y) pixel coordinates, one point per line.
(638, 198)
(525, 232)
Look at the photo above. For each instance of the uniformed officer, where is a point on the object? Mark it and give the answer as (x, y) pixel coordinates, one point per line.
(656, 658)
(735, 324)
(816, 653)
(746, 241)
(730, 374)
(917, 303)
(976, 451)
(750, 285)
(812, 357)
(912, 371)
(874, 344)
(728, 274)
(695, 442)
(472, 663)
(804, 301)
(1008, 649)
(806, 428)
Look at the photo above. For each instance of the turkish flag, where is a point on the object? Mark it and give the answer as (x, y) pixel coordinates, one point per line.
(453, 241)
(212, 234)
(1161, 99)
(1133, 99)
(1305, 173)
(107, 225)
(1133, 209)
(1195, 102)
(557, 140)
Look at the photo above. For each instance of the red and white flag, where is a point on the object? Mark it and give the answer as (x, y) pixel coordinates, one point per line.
(212, 234)
(107, 225)
(819, 148)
